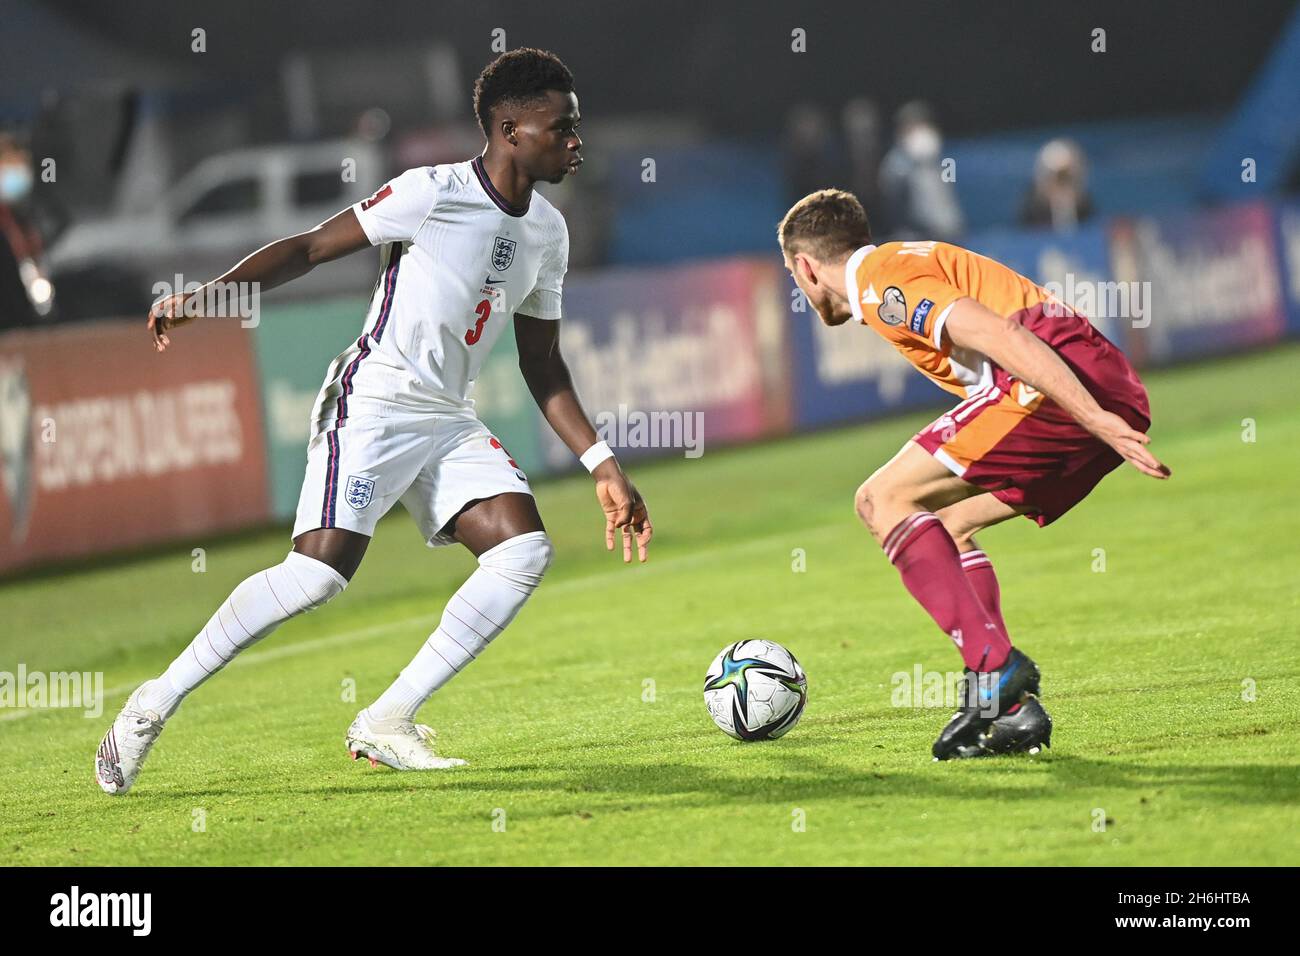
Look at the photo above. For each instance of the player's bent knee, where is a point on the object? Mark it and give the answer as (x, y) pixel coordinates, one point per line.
(871, 502)
(520, 561)
(864, 503)
(303, 584)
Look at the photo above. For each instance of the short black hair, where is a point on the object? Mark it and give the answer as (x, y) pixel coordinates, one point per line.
(517, 77)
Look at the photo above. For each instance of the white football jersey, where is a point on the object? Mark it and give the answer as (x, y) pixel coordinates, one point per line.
(457, 262)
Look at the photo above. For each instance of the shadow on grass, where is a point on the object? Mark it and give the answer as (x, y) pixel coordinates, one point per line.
(682, 786)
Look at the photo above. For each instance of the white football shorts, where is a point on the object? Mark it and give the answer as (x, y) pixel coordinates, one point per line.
(433, 464)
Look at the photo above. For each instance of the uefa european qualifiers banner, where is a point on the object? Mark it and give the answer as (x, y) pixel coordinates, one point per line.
(673, 361)
(106, 445)
(1213, 278)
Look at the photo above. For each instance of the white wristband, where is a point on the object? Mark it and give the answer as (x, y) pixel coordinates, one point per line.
(596, 454)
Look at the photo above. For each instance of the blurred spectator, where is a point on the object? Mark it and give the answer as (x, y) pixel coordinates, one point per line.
(26, 295)
(1059, 197)
(861, 120)
(917, 203)
(812, 157)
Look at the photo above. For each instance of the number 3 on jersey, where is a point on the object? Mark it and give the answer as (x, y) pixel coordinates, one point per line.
(484, 309)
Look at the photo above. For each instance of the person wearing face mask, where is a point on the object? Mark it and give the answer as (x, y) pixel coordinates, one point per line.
(917, 201)
(26, 294)
(1059, 196)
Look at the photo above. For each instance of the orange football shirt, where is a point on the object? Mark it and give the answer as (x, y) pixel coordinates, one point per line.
(905, 290)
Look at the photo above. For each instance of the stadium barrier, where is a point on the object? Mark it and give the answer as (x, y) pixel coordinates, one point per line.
(1287, 217)
(105, 446)
(658, 354)
(1164, 288)
(1216, 282)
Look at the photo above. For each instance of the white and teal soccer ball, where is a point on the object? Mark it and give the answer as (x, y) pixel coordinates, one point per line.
(755, 690)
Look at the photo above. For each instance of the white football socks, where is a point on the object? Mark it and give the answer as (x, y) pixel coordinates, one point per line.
(254, 609)
(488, 601)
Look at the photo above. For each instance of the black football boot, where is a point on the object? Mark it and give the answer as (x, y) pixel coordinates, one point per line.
(1025, 728)
(983, 696)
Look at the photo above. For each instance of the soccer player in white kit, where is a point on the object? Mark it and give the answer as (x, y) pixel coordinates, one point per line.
(464, 246)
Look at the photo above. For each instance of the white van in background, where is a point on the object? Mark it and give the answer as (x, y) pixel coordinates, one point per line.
(228, 206)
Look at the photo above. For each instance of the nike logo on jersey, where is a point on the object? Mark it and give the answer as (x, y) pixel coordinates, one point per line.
(869, 297)
(491, 281)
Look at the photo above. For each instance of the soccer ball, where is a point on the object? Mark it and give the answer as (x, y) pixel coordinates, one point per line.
(755, 690)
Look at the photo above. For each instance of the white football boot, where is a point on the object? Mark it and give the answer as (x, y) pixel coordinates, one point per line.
(123, 749)
(400, 744)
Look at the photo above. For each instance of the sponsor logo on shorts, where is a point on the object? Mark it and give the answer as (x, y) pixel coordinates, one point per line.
(893, 310)
(492, 440)
(358, 492)
(919, 315)
(503, 253)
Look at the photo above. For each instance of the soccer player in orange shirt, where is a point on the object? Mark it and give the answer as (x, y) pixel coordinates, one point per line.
(1048, 406)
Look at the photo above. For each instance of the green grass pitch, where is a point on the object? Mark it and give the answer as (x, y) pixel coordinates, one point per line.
(1146, 669)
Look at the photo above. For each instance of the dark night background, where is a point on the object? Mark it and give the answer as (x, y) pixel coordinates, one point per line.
(990, 66)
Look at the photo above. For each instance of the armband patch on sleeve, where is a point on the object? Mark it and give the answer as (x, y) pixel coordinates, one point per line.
(919, 315)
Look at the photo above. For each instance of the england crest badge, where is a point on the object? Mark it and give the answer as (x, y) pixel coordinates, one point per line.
(358, 492)
(503, 253)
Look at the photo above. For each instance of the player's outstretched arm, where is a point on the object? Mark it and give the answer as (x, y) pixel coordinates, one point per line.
(547, 375)
(1027, 357)
(272, 265)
